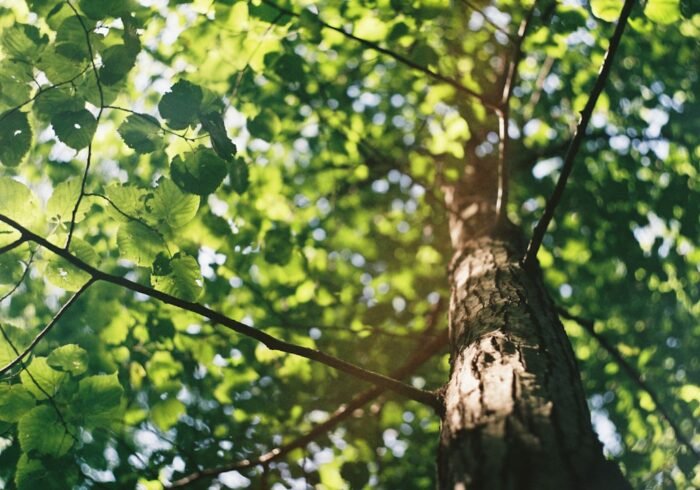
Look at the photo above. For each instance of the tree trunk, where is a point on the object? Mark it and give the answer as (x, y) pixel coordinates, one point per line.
(516, 414)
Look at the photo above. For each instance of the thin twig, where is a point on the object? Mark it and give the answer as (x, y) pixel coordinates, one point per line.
(633, 374)
(11, 246)
(272, 343)
(488, 20)
(20, 357)
(504, 114)
(541, 228)
(40, 92)
(154, 123)
(88, 161)
(396, 56)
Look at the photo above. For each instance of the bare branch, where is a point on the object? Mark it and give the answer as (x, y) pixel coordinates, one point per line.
(488, 20)
(504, 114)
(634, 375)
(398, 57)
(554, 199)
(20, 356)
(420, 357)
(11, 246)
(272, 343)
(97, 122)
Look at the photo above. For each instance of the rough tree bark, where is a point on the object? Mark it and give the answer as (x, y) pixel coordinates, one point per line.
(515, 412)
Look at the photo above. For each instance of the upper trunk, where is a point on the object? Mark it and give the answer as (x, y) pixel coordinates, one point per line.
(516, 415)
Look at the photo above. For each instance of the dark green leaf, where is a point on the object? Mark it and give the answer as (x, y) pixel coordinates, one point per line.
(71, 41)
(41, 430)
(15, 137)
(101, 9)
(278, 244)
(141, 133)
(117, 60)
(213, 124)
(265, 125)
(180, 106)
(198, 173)
(75, 128)
(238, 175)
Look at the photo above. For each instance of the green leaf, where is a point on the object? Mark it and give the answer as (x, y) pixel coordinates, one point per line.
(71, 41)
(75, 128)
(141, 133)
(18, 338)
(265, 125)
(117, 61)
(15, 79)
(129, 199)
(70, 357)
(180, 105)
(238, 175)
(99, 399)
(290, 67)
(57, 100)
(11, 268)
(49, 379)
(31, 474)
(41, 430)
(18, 203)
(23, 41)
(101, 9)
(213, 124)
(63, 274)
(278, 244)
(59, 208)
(607, 10)
(198, 173)
(15, 137)
(59, 68)
(663, 11)
(15, 401)
(166, 413)
(139, 243)
(179, 276)
(171, 206)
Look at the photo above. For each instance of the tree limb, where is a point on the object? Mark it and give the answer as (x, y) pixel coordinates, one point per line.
(420, 357)
(541, 228)
(633, 374)
(269, 341)
(396, 56)
(504, 114)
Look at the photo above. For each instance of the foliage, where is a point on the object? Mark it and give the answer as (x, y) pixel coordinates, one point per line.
(256, 158)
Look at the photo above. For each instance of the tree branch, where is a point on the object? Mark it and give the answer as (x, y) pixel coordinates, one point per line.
(97, 122)
(11, 246)
(632, 373)
(269, 341)
(20, 356)
(541, 228)
(504, 115)
(396, 56)
(420, 357)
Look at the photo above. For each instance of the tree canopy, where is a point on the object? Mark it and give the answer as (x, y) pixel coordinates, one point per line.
(224, 243)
